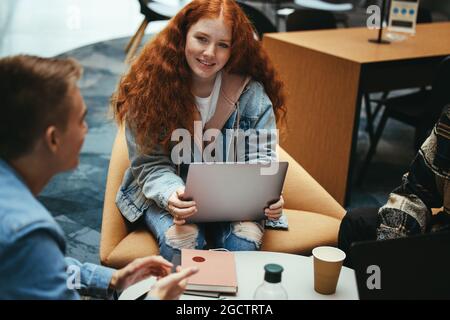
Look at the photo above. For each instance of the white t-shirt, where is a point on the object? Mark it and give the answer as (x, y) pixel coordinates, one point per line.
(207, 106)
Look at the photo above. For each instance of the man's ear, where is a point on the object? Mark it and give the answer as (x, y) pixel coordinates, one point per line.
(52, 139)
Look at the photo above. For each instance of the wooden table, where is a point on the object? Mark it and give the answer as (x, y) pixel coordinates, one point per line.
(325, 73)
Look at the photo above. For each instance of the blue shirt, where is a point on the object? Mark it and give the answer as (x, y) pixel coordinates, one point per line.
(32, 246)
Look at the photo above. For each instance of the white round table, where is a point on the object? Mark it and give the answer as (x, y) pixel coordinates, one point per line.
(297, 278)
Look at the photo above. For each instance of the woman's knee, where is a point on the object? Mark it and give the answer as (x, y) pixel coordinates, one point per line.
(245, 236)
(184, 237)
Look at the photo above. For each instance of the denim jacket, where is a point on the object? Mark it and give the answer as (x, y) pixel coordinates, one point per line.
(152, 178)
(32, 245)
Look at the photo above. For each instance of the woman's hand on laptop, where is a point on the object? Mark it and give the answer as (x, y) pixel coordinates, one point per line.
(179, 208)
(274, 211)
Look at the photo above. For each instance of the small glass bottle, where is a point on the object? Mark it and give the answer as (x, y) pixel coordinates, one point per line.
(271, 288)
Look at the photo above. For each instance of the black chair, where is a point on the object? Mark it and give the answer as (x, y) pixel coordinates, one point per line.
(259, 20)
(310, 19)
(424, 15)
(275, 6)
(420, 109)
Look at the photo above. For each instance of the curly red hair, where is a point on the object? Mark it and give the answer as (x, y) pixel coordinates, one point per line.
(154, 97)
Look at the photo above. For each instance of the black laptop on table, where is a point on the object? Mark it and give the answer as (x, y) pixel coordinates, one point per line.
(416, 267)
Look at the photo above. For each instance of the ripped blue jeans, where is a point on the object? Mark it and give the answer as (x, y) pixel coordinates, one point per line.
(233, 236)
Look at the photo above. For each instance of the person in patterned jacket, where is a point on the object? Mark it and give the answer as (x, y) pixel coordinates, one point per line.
(425, 189)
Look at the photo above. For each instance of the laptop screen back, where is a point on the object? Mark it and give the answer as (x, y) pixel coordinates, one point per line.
(234, 191)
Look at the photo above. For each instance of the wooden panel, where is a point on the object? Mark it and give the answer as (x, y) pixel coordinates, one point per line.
(322, 92)
(431, 39)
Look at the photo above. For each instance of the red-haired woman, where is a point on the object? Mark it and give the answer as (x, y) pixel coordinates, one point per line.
(206, 67)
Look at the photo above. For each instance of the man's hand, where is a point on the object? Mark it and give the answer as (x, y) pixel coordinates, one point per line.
(173, 285)
(180, 209)
(138, 270)
(274, 211)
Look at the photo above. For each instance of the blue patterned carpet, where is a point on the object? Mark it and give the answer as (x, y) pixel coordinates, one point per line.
(76, 198)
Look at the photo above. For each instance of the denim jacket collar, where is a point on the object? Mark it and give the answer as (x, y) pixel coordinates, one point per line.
(22, 213)
(6, 167)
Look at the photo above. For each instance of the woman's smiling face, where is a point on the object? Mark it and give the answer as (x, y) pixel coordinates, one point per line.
(208, 47)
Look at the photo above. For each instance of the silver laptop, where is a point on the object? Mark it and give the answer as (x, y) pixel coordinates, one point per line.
(233, 191)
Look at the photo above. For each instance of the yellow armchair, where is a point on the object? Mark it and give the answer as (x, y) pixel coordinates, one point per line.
(313, 215)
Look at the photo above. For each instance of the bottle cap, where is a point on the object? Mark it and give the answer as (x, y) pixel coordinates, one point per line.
(273, 273)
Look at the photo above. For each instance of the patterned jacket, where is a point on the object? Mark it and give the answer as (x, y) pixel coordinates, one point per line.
(425, 186)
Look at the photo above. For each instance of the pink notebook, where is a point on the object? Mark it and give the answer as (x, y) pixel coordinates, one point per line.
(217, 270)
